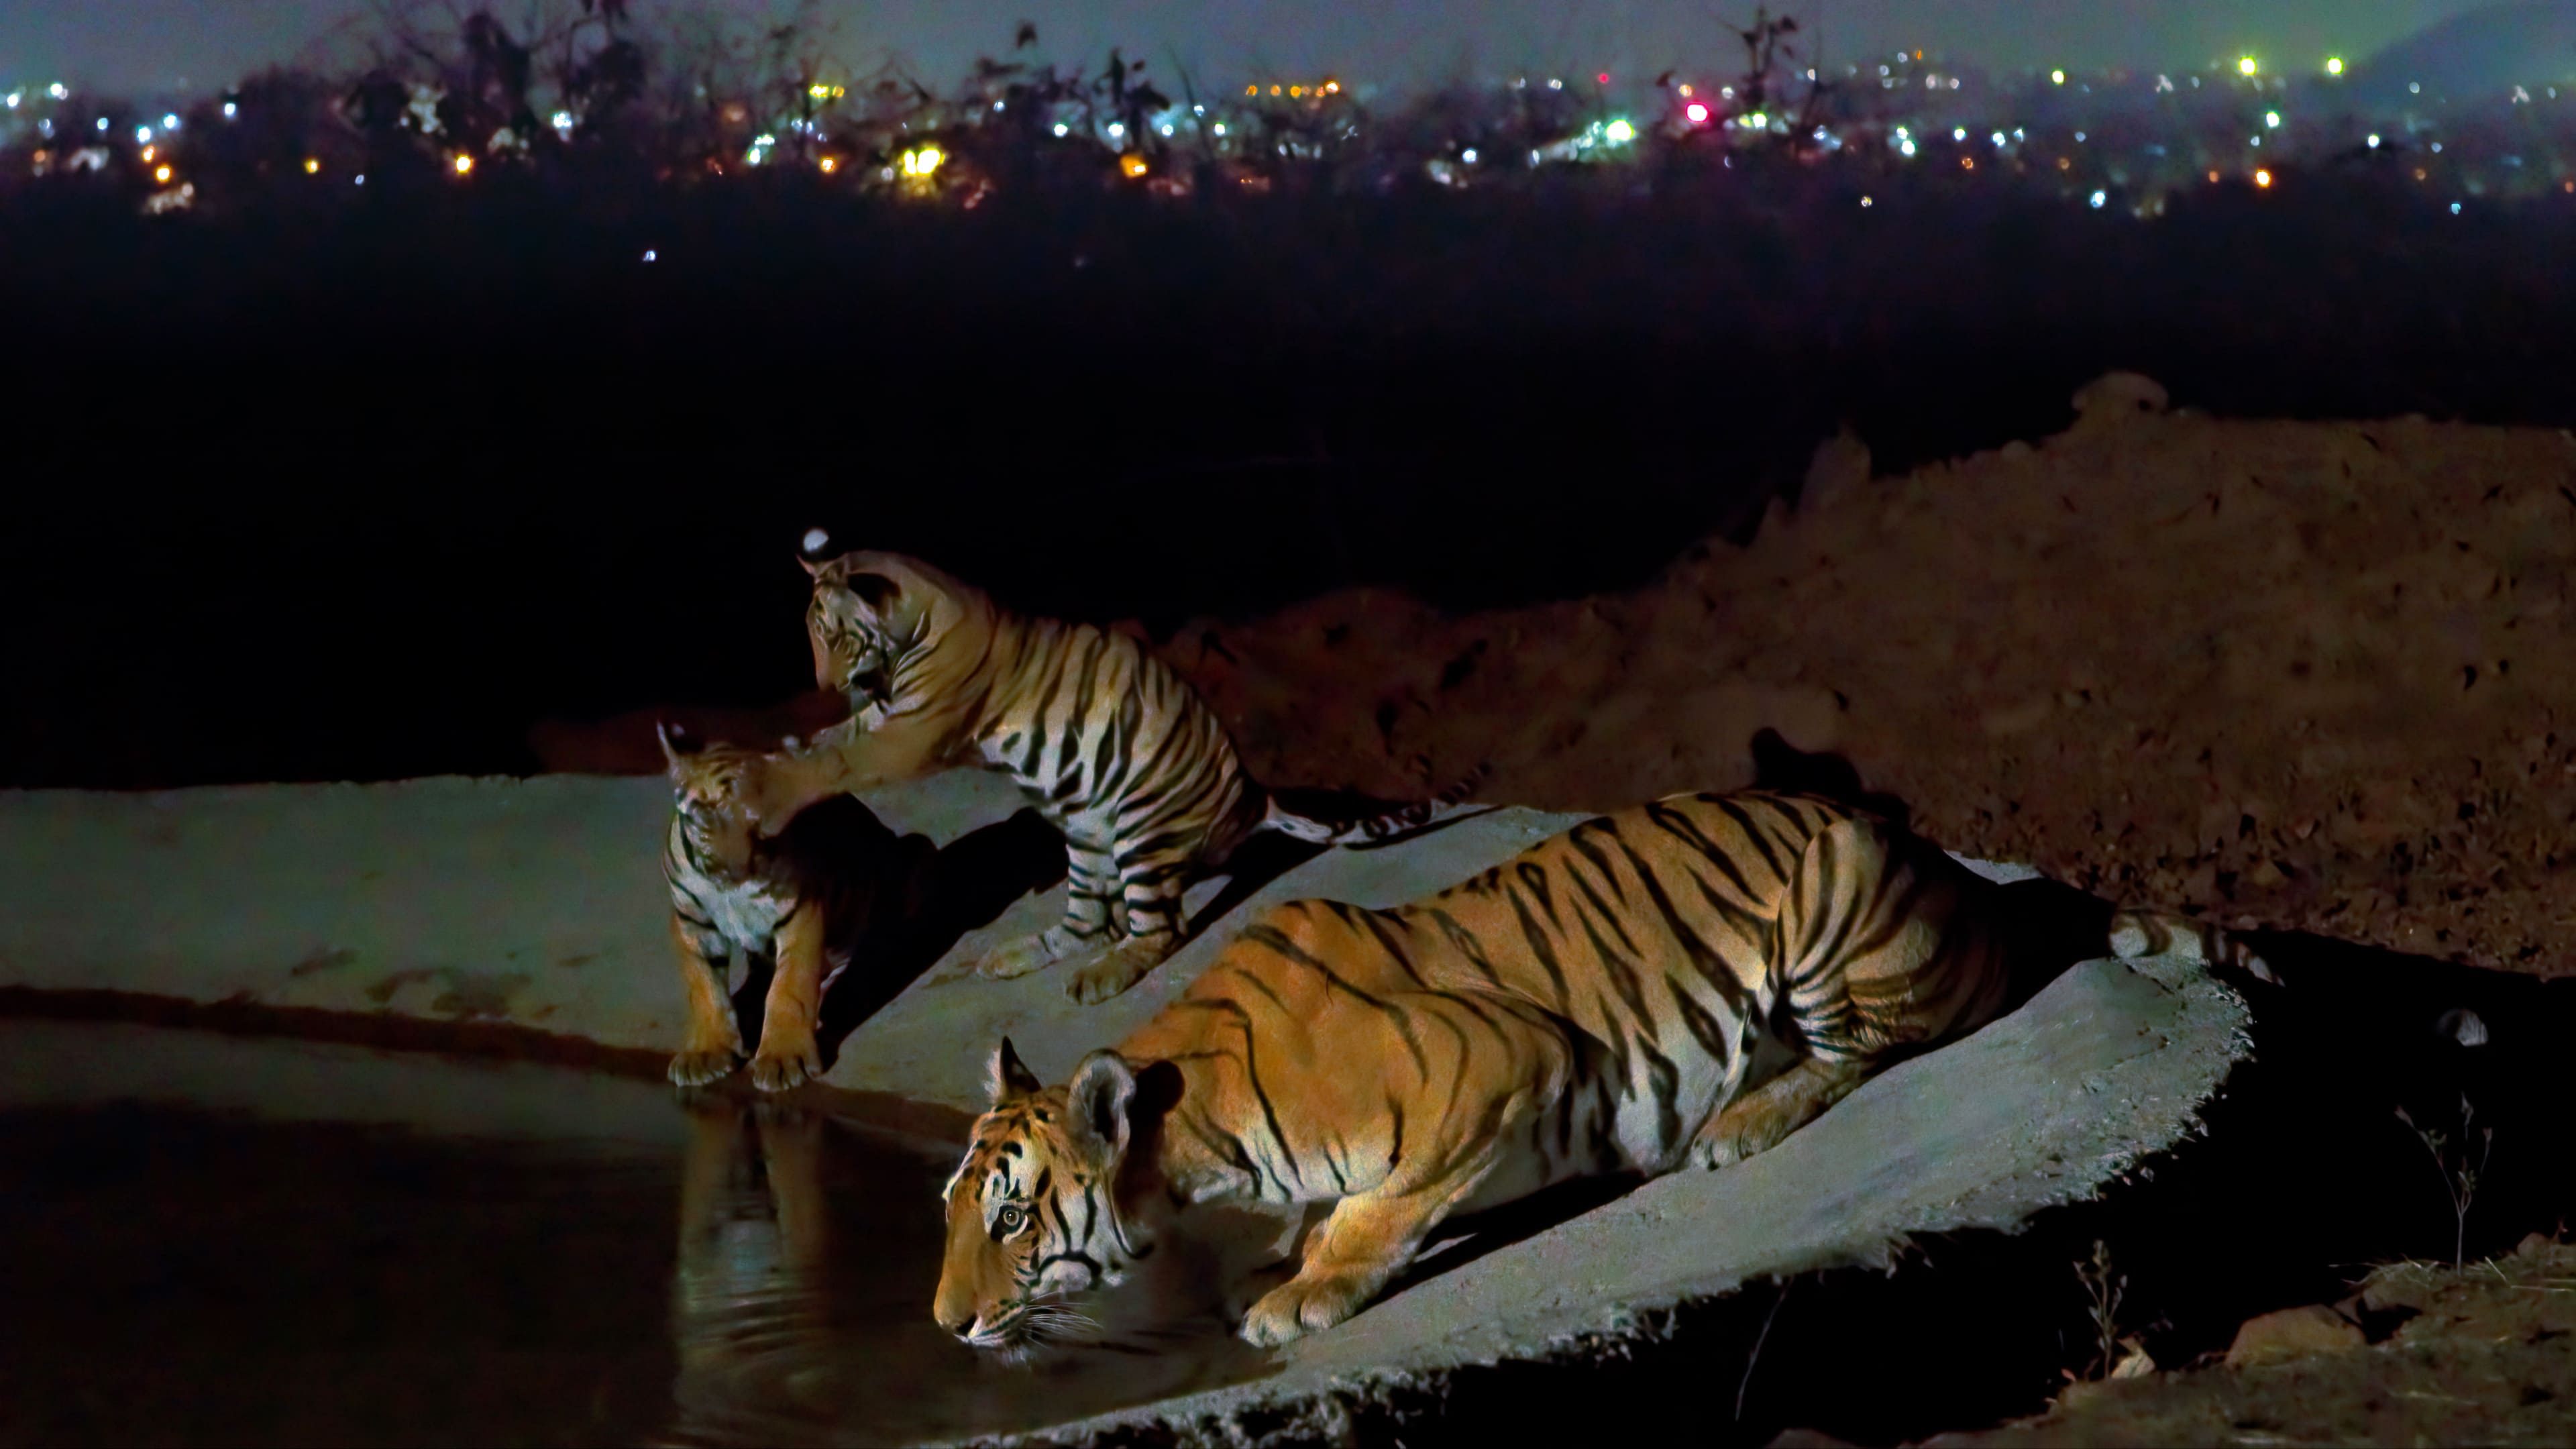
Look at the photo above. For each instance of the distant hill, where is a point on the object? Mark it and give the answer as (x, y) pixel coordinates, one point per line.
(2481, 55)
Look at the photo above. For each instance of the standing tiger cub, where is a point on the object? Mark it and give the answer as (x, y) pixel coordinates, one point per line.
(797, 905)
(1112, 747)
(1686, 981)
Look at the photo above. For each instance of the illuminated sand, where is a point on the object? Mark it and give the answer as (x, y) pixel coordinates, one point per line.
(539, 904)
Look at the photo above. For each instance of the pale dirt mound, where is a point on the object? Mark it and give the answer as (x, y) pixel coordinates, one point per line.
(2303, 676)
(2478, 1356)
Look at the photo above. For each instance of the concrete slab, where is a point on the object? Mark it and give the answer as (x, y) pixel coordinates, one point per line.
(540, 904)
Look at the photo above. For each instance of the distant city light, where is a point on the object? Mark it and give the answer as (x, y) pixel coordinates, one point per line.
(829, 164)
(464, 164)
(1686, 91)
(1167, 130)
(2057, 77)
(1958, 133)
(651, 255)
(2099, 197)
(2079, 138)
(1604, 77)
(923, 161)
(1116, 130)
(1001, 105)
(563, 121)
(2414, 88)
(1698, 113)
(1906, 146)
(1999, 139)
(2455, 208)
(362, 178)
(1555, 84)
(161, 174)
(2334, 65)
(15, 97)
(1062, 129)
(102, 123)
(148, 154)
(142, 134)
(231, 110)
(1468, 155)
(2246, 66)
(312, 166)
(1132, 164)
(2272, 119)
(2374, 140)
(1620, 132)
(59, 91)
(1219, 128)
(1755, 122)
(2262, 178)
(170, 122)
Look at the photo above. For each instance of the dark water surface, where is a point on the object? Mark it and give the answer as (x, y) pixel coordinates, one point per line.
(220, 1240)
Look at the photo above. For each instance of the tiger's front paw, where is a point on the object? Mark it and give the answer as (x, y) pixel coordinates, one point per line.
(697, 1066)
(764, 797)
(779, 1066)
(1118, 970)
(1304, 1304)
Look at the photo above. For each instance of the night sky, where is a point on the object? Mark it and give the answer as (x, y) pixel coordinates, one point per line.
(148, 45)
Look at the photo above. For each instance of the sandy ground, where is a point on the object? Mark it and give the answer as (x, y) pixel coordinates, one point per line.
(2306, 676)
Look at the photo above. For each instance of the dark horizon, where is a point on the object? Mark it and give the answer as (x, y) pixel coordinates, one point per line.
(152, 46)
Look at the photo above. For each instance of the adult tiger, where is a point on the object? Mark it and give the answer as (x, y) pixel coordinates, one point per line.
(1692, 979)
(799, 905)
(1111, 746)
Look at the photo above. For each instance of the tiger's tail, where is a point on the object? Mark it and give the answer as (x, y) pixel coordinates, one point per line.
(1307, 818)
(2135, 933)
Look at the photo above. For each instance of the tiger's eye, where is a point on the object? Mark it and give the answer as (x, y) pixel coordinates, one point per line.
(1009, 1219)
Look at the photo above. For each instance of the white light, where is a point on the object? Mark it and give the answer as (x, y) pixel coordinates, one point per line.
(1999, 138)
(1198, 110)
(563, 120)
(2374, 140)
(1958, 133)
(142, 135)
(170, 122)
(15, 97)
(1468, 155)
(2455, 208)
(1061, 128)
(362, 178)
(2079, 138)
(2437, 148)
(1001, 105)
(2272, 119)
(102, 123)
(59, 91)
(1167, 130)
(1865, 201)
(1906, 146)
(2334, 65)
(2100, 197)
(1620, 133)
(1117, 129)
(2414, 88)
(1219, 128)
(1555, 85)
(2057, 77)
(231, 110)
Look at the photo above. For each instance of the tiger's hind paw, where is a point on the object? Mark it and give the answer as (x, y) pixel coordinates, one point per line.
(1118, 970)
(700, 1065)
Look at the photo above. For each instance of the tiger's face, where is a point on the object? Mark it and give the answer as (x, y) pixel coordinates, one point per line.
(703, 781)
(1032, 1223)
(858, 626)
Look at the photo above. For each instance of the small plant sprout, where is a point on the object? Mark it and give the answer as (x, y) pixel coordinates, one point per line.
(2115, 1355)
(2460, 1178)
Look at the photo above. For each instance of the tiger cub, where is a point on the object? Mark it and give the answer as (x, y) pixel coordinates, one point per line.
(1618, 998)
(797, 905)
(1111, 746)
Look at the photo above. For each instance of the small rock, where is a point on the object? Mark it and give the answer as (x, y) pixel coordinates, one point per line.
(2116, 395)
(2264, 875)
(2292, 1333)
(2463, 1026)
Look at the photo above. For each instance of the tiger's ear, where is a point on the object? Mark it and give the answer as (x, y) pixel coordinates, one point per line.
(1008, 1076)
(1104, 1087)
(874, 590)
(813, 551)
(672, 759)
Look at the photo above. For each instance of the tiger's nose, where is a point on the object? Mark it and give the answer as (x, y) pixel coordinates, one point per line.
(962, 1325)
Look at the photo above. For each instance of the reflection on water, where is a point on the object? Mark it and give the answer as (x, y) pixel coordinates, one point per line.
(801, 1304)
(259, 1268)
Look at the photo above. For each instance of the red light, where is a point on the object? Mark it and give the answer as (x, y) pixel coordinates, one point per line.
(1605, 77)
(1698, 113)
